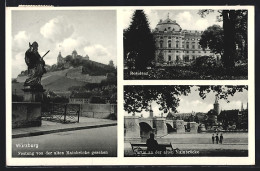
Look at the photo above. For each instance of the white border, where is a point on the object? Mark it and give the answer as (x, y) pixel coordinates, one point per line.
(120, 160)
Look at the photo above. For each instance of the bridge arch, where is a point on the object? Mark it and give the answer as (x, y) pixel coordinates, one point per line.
(145, 130)
(170, 129)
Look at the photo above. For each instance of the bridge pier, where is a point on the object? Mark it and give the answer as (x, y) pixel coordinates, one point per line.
(132, 127)
(180, 126)
(193, 127)
(161, 128)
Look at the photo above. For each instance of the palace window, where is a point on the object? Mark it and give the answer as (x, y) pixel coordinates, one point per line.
(193, 46)
(161, 44)
(169, 37)
(193, 57)
(199, 51)
(177, 51)
(169, 44)
(169, 58)
(169, 51)
(199, 47)
(177, 58)
(161, 37)
(193, 51)
(187, 51)
(186, 58)
(187, 46)
(205, 51)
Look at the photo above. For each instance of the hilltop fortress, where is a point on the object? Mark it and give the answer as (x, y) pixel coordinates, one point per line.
(65, 61)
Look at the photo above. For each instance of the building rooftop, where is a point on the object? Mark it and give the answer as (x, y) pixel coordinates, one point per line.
(167, 25)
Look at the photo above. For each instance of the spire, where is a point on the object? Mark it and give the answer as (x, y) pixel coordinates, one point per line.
(216, 99)
(151, 111)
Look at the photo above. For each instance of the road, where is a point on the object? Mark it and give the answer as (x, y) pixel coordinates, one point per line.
(94, 142)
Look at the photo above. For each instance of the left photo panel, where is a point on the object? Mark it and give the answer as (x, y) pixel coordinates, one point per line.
(63, 74)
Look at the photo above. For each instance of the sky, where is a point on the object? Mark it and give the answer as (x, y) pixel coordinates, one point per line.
(89, 32)
(193, 102)
(187, 19)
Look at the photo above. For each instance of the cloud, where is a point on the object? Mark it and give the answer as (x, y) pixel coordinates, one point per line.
(153, 17)
(202, 24)
(184, 19)
(189, 22)
(57, 29)
(70, 44)
(98, 53)
(18, 63)
(21, 41)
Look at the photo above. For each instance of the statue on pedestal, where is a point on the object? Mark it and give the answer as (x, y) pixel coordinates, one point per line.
(32, 86)
(36, 68)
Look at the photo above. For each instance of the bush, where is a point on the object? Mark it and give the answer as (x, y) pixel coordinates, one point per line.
(204, 62)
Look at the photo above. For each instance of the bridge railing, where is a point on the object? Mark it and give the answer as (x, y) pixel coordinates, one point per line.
(61, 112)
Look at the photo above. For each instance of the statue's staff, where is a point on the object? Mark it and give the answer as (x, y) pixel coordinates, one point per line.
(46, 53)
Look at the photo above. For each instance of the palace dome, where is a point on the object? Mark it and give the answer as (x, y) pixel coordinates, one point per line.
(167, 25)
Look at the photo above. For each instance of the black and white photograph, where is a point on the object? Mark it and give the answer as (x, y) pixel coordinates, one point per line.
(192, 44)
(64, 83)
(186, 121)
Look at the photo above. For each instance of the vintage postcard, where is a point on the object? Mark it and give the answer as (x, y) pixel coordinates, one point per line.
(107, 85)
(186, 121)
(186, 44)
(63, 83)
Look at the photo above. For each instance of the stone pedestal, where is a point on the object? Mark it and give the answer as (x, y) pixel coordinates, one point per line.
(26, 114)
(132, 127)
(180, 126)
(161, 128)
(33, 94)
(193, 127)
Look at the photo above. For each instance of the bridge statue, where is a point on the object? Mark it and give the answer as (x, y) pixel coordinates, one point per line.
(32, 85)
(35, 65)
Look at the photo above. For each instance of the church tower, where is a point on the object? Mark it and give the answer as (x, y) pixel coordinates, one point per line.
(216, 105)
(151, 111)
(59, 59)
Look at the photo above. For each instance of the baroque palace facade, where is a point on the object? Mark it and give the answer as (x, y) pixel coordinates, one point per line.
(176, 45)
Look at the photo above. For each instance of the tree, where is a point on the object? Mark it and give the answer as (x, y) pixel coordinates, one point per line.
(160, 58)
(213, 37)
(234, 23)
(138, 98)
(138, 40)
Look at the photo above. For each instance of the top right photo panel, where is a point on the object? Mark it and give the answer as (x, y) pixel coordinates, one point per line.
(199, 44)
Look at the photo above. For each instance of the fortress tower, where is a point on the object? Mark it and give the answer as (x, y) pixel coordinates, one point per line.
(60, 59)
(74, 54)
(216, 105)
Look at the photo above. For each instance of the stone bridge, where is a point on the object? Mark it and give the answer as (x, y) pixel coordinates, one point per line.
(136, 127)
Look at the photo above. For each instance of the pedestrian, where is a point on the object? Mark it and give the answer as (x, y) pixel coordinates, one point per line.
(213, 138)
(221, 139)
(217, 139)
(152, 144)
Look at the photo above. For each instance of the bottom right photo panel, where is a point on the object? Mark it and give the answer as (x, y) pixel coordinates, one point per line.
(186, 120)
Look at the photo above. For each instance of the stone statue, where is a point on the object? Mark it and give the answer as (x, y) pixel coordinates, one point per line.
(35, 65)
